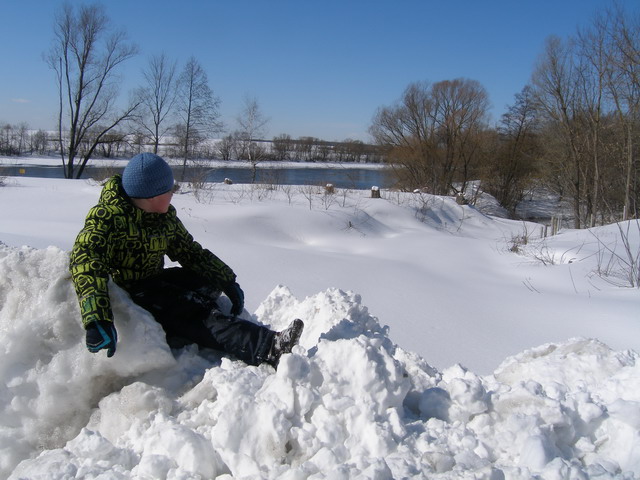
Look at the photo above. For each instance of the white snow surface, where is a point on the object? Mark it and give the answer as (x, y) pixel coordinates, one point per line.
(430, 350)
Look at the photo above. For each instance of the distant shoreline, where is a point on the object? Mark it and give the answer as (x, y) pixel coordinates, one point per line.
(35, 160)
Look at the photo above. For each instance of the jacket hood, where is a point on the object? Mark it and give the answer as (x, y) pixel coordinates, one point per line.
(113, 193)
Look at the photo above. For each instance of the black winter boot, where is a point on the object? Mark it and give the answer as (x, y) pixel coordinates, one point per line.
(284, 341)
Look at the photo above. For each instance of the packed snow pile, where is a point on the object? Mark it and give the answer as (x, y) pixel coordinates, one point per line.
(347, 403)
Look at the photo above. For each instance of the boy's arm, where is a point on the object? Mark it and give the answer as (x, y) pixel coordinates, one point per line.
(89, 271)
(193, 256)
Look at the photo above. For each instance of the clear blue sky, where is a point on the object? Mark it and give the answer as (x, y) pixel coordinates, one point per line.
(317, 68)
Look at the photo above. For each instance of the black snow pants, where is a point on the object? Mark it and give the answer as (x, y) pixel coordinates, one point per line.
(182, 302)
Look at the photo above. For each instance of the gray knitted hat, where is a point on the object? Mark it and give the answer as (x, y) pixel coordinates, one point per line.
(147, 175)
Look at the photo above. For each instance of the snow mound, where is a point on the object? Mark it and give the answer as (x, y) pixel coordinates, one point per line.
(346, 403)
(50, 384)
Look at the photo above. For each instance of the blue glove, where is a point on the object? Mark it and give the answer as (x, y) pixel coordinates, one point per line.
(236, 295)
(102, 334)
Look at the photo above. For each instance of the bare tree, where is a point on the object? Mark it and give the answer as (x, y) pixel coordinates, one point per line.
(593, 46)
(282, 146)
(197, 109)
(514, 156)
(226, 147)
(7, 144)
(85, 55)
(404, 130)
(22, 137)
(555, 87)
(39, 141)
(305, 148)
(459, 114)
(158, 97)
(624, 88)
(252, 125)
(434, 133)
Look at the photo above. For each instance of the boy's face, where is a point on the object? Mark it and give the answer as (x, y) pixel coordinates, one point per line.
(162, 202)
(159, 204)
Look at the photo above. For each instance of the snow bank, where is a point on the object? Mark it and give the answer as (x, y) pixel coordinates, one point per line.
(49, 383)
(347, 403)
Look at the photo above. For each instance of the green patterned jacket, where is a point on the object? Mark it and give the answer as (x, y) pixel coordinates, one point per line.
(128, 244)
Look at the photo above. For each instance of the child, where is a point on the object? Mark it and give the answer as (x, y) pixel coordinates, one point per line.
(126, 237)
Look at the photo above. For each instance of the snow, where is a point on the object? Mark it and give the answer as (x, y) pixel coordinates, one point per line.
(437, 345)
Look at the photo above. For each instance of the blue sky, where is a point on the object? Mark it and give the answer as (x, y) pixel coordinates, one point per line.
(316, 68)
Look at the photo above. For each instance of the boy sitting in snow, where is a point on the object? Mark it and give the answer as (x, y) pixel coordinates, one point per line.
(126, 236)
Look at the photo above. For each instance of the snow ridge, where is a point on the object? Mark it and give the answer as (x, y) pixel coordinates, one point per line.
(347, 403)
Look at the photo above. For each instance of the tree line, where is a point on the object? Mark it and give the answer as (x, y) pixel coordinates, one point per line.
(574, 130)
(20, 139)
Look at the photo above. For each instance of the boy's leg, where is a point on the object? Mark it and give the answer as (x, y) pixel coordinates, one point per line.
(246, 340)
(181, 301)
(175, 296)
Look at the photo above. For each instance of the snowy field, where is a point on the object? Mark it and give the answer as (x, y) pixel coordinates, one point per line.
(438, 344)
